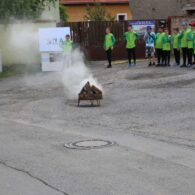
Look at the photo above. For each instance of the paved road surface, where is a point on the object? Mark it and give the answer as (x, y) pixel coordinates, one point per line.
(149, 112)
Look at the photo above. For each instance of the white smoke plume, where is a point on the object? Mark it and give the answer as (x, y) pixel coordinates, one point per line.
(20, 43)
(76, 75)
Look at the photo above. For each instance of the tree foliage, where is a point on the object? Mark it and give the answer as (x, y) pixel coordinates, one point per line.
(97, 12)
(63, 14)
(22, 9)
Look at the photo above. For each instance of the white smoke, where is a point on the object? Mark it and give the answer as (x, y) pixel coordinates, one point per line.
(20, 43)
(76, 75)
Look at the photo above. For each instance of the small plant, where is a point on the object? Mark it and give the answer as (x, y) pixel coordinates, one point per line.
(97, 12)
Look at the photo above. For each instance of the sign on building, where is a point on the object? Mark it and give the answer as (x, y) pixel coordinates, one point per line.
(139, 26)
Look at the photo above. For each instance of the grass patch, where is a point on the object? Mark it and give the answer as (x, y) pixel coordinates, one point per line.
(17, 70)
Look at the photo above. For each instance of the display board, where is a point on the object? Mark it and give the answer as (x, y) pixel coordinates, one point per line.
(139, 26)
(50, 38)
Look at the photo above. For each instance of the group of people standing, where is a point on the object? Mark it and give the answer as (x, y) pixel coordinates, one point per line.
(158, 45)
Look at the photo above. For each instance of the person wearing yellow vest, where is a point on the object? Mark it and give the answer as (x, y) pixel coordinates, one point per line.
(159, 45)
(184, 42)
(176, 46)
(131, 37)
(109, 43)
(166, 39)
(67, 47)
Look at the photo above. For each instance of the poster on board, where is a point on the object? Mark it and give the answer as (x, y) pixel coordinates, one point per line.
(50, 38)
(139, 26)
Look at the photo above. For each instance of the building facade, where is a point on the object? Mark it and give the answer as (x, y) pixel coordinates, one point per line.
(76, 9)
(159, 9)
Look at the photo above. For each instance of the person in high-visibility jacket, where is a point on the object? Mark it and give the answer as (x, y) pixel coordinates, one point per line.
(131, 37)
(184, 42)
(190, 45)
(159, 45)
(166, 48)
(193, 30)
(176, 46)
(109, 43)
(67, 47)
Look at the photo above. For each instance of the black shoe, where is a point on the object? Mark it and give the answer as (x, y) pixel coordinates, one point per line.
(109, 66)
(189, 65)
(150, 64)
(154, 64)
(183, 66)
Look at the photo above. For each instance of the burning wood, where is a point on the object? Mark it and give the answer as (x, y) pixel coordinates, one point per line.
(91, 93)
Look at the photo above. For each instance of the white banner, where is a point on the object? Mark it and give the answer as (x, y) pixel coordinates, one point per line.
(50, 38)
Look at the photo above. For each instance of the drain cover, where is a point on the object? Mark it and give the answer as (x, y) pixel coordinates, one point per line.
(89, 144)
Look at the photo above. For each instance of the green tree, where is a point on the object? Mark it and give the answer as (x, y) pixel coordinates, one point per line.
(63, 14)
(23, 9)
(97, 12)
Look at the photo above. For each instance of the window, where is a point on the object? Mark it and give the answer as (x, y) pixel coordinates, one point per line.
(121, 16)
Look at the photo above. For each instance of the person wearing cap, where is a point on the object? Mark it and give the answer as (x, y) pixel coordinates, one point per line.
(166, 48)
(176, 45)
(149, 39)
(109, 43)
(67, 47)
(131, 37)
(159, 45)
(184, 42)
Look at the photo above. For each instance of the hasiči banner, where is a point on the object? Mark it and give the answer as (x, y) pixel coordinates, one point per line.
(139, 26)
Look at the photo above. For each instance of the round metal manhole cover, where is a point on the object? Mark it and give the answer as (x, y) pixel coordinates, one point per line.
(89, 144)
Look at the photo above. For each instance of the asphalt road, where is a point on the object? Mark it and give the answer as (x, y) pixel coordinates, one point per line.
(148, 112)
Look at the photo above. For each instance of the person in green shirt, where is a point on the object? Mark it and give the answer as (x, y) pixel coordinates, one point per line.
(159, 45)
(184, 42)
(193, 29)
(176, 46)
(67, 47)
(130, 38)
(109, 43)
(166, 40)
(190, 45)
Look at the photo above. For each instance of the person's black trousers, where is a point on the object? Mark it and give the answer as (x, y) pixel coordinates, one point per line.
(166, 58)
(177, 55)
(190, 55)
(159, 55)
(185, 53)
(194, 59)
(131, 55)
(109, 56)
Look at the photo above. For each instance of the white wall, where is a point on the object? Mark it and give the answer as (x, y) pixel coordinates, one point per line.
(19, 42)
